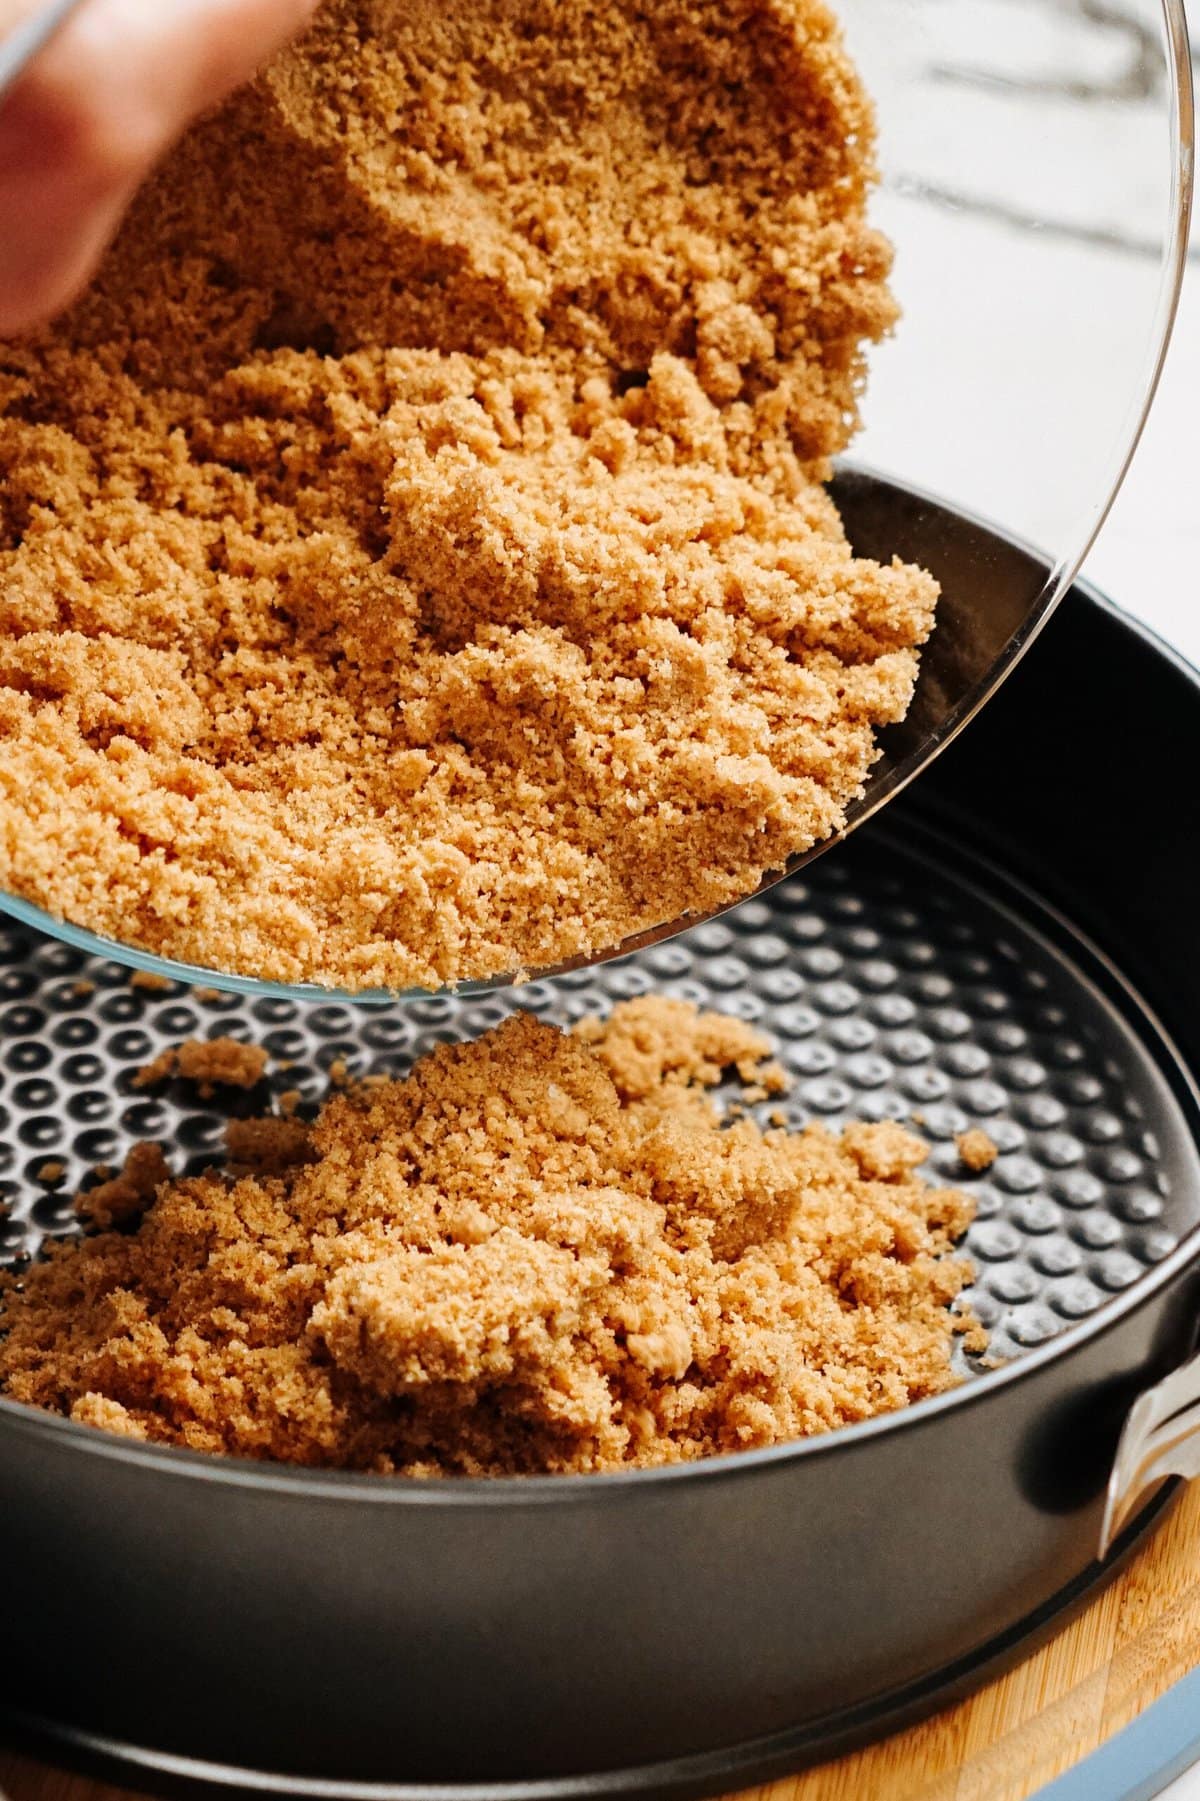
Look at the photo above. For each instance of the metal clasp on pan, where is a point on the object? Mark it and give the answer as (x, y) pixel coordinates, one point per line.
(1161, 1437)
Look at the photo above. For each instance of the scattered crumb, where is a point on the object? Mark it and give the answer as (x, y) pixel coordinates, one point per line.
(150, 981)
(210, 1062)
(976, 1149)
(129, 1194)
(289, 1100)
(539, 1251)
(81, 990)
(777, 1117)
(339, 1073)
(206, 995)
(221, 1062)
(52, 1172)
(414, 555)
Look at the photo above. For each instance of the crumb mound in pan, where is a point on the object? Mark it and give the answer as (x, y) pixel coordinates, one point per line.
(413, 559)
(538, 1252)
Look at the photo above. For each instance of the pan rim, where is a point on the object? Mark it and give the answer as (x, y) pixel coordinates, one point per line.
(471, 1491)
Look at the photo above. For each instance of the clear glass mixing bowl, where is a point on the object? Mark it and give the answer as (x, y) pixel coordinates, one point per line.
(1036, 160)
(1037, 164)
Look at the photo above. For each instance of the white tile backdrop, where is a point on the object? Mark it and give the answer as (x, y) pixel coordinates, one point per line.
(1024, 147)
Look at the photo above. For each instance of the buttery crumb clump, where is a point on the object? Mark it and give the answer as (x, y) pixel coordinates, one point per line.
(538, 1252)
(976, 1149)
(209, 1062)
(126, 1195)
(414, 563)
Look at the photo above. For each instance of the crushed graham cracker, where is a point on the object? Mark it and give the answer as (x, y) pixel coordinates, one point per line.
(128, 1194)
(209, 1062)
(150, 982)
(976, 1149)
(538, 1252)
(413, 558)
(268, 1146)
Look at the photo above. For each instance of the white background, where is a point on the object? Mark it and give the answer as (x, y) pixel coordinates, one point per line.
(1148, 555)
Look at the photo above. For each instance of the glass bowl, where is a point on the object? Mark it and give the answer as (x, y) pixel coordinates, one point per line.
(1036, 160)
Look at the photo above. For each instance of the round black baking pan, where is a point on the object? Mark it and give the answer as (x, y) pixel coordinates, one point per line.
(1009, 945)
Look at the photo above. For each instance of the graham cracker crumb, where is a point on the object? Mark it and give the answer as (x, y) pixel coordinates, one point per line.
(159, 1069)
(885, 1149)
(289, 1100)
(414, 563)
(81, 990)
(221, 1062)
(655, 1043)
(206, 995)
(129, 1194)
(976, 1149)
(209, 1062)
(97, 1410)
(538, 1252)
(52, 1172)
(267, 1146)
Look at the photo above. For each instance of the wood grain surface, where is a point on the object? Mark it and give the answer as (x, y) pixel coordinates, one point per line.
(1137, 1639)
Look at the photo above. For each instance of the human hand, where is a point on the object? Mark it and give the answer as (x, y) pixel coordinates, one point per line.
(95, 110)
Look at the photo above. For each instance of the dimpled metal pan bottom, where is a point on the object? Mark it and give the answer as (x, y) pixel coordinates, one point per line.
(894, 986)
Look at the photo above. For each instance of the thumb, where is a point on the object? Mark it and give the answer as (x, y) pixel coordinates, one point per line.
(101, 103)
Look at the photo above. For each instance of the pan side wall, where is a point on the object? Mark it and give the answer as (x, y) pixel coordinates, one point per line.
(534, 1637)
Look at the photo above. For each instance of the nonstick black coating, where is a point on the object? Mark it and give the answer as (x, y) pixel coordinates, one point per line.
(695, 1627)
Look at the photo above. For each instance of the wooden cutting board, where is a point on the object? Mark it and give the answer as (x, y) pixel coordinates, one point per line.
(1004, 1744)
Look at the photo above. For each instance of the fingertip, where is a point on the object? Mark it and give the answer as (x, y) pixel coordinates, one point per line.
(87, 124)
(43, 272)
